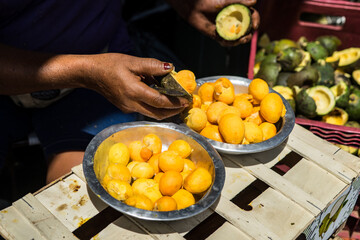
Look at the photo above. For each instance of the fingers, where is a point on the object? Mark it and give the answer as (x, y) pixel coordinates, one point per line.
(248, 3)
(255, 17)
(150, 67)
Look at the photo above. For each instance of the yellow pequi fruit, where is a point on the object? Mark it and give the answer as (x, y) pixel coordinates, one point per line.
(165, 203)
(206, 92)
(212, 132)
(198, 181)
(182, 147)
(183, 199)
(196, 119)
(171, 160)
(229, 109)
(142, 170)
(214, 111)
(224, 91)
(245, 106)
(253, 133)
(119, 153)
(147, 187)
(118, 171)
(151, 144)
(135, 148)
(140, 201)
(186, 79)
(268, 129)
(170, 182)
(271, 107)
(231, 128)
(118, 189)
(258, 88)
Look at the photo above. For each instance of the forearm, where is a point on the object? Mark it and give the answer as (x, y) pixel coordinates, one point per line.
(26, 71)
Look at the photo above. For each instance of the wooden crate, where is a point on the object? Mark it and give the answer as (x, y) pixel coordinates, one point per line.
(283, 193)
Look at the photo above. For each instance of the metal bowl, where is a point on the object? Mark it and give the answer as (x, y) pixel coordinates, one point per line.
(284, 126)
(95, 163)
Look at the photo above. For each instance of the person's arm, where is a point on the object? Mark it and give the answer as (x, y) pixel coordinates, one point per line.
(201, 15)
(116, 76)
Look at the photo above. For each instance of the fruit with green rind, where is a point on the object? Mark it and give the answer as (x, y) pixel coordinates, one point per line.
(316, 50)
(324, 99)
(349, 59)
(341, 92)
(287, 93)
(283, 44)
(233, 21)
(330, 43)
(282, 78)
(306, 61)
(356, 76)
(337, 116)
(352, 124)
(305, 104)
(326, 73)
(269, 58)
(342, 77)
(353, 107)
(308, 76)
(289, 58)
(302, 42)
(334, 62)
(269, 72)
(260, 55)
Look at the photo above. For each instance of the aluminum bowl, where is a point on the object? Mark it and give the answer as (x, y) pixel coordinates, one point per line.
(284, 126)
(96, 160)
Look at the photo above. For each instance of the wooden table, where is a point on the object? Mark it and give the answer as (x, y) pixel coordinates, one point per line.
(284, 193)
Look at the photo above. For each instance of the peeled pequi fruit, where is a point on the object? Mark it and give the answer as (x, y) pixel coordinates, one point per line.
(337, 116)
(233, 21)
(341, 92)
(324, 99)
(349, 59)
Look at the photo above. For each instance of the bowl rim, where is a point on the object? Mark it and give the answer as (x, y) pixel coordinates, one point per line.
(238, 149)
(204, 203)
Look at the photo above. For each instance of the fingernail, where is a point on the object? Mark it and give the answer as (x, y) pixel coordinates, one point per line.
(167, 66)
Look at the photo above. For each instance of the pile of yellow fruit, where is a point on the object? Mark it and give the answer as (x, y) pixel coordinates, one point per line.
(220, 114)
(144, 176)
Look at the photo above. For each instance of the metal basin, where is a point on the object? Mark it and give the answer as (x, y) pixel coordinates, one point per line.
(284, 126)
(95, 163)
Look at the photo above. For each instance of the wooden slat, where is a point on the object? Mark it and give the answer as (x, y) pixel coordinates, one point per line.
(42, 219)
(78, 170)
(13, 226)
(314, 153)
(228, 232)
(271, 157)
(315, 181)
(71, 201)
(279, 183)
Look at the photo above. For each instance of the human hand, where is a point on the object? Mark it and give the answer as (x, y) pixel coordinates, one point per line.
(120, 78)
(202, 13)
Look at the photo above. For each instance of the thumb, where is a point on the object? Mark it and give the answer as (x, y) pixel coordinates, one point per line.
(248, 3)
(152, 67)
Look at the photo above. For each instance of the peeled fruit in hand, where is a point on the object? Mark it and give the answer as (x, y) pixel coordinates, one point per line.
(268, 129)
(119, 153)
(165, 203)
(212, 132)
(198, 181)
(140, 201)
(171, 160)
(232, 128)
(253, 133)
(224, 91)
(182, 147)
(196, 119)
(258, 88)
(183, 199)
(206, 92)
(271, 107)
(120, 190)
(214, 111)
(186, 79)
(170, 182)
